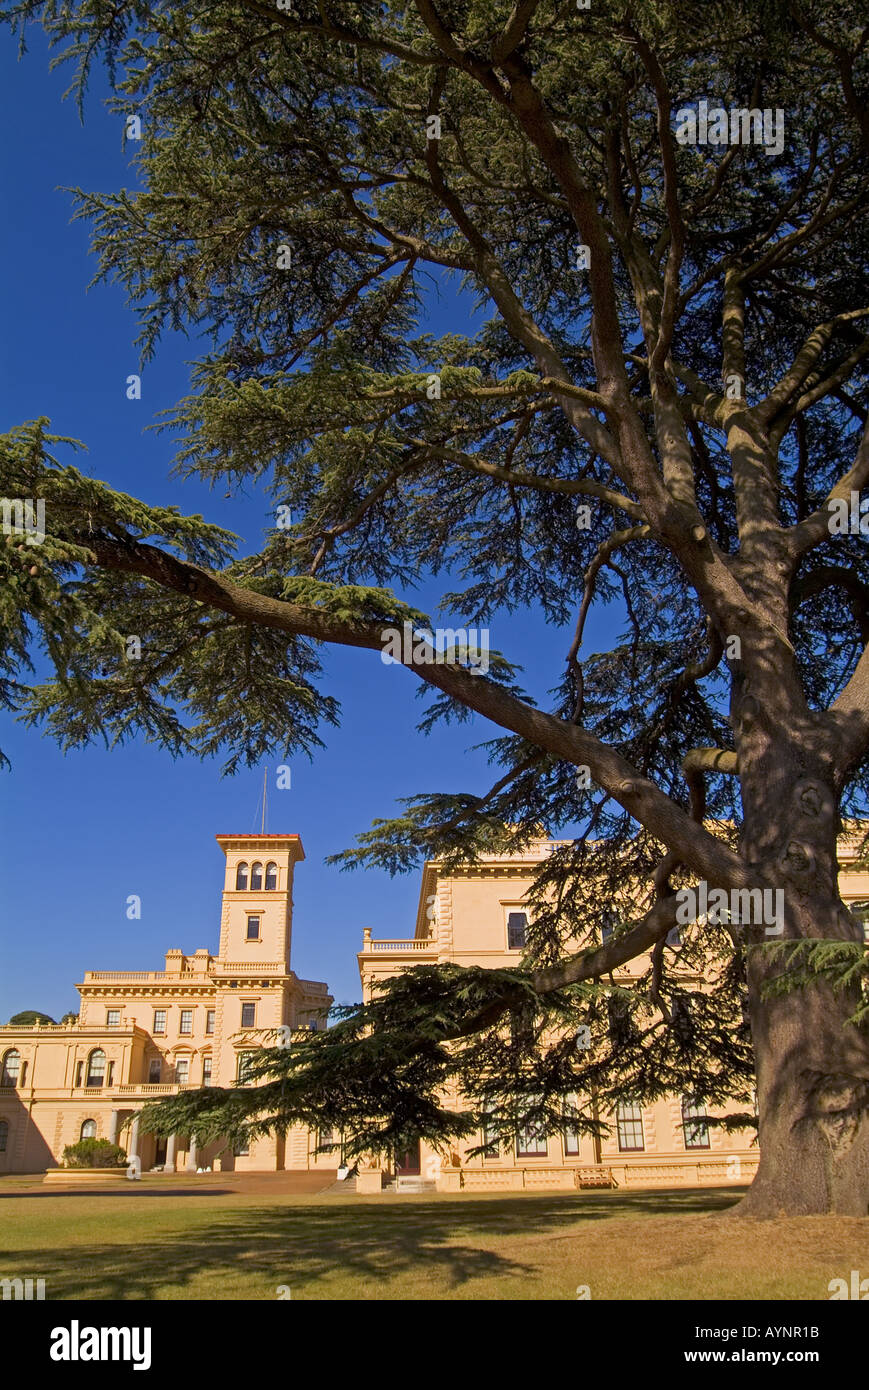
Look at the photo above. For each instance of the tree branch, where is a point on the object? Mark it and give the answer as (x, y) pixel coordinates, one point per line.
(806, 534)
(640, 797)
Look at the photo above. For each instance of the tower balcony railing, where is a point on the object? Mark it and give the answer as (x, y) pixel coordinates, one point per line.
(248, 967)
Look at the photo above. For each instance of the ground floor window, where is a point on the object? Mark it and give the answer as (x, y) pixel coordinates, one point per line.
(4, 1135)
(489, 1136)
(530, 1143)
(694, 1125)
(88, 1130)
(629, 1127)
(570, 1136)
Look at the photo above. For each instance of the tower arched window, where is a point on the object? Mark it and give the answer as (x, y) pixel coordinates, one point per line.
(88, 1130)
(241, 877)
(96, 1070)
(271, 877)
(11, 1068)
(4, 1135)
(256, 876)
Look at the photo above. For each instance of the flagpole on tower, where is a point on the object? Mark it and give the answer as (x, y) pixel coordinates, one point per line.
(265, 793)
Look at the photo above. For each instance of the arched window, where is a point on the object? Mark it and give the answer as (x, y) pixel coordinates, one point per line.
(256, 876)
(241, 876)
(4, 1135)
(271, 877)
(11, 1068)
(89, 1130)
(96, 1072)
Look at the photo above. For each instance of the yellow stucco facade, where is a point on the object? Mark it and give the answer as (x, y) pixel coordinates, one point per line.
(468, 917)
(143, 1034)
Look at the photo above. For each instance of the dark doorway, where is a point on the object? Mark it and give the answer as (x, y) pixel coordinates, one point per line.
(159, 1152)
(407, 1164)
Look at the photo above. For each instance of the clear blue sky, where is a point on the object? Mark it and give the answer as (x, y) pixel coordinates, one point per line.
(82, 831)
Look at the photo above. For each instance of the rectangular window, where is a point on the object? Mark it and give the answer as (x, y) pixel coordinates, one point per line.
(621, 1024)
(629, 1124)
(694, 1126)
(78, 1071)
(682, 1025)
(182, 1070)
(159, 1021)
(209, 1020)
(155, 1071)
(113, 1018)
(517, 923)
(206, 1071)
(530, 1144)
(490, 1139)
(609, 920)
(571, 1136)
(244, 1061)
(186, 1020)
(248, 1015)
(253, 929)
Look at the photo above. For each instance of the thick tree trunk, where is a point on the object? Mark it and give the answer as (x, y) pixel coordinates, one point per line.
(813, 1087)
(812, 1066)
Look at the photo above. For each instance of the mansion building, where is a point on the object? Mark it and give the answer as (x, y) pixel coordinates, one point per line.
(144, 1034)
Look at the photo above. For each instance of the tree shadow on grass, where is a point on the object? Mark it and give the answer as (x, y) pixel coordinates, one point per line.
(316, 1246)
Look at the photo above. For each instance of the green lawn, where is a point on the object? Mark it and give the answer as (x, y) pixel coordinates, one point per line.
(209, 1241)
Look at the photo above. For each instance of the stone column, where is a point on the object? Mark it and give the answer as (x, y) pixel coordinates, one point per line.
(133, 1147)
(113, 1127)
(170, 1152)
(191, 1156)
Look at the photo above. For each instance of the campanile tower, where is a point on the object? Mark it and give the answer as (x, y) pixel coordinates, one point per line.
(256, 924)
